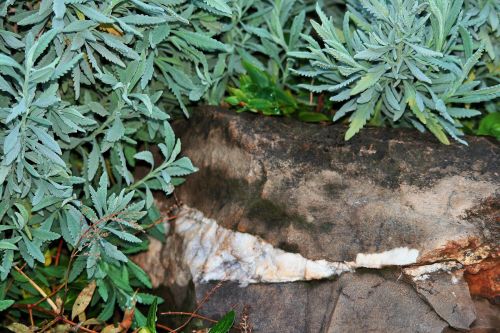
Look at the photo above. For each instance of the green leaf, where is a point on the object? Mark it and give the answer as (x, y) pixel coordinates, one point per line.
(112, 251)
(5, 303)
(467, 41)
(201, 41)
(33, 250)
(490, 125)
(359, 119)
(437, 130)
(124, 235)
(5, 60)
(151, 320)
(116, 131)
(313, 117)
(40, 46)
(258, 76)
(145, 156)
(93, 161)
(107, 54)
(79, 25)
(139, 274)
(370, 79)
(46, 139)
(220, 5)
(59, 9)
(5, 245)
(225, 324)
(94, 14)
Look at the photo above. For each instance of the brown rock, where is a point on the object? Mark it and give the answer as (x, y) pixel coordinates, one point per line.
(361, 302)
(304, 189)
(448, 294)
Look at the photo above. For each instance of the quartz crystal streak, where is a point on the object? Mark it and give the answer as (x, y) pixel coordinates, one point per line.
(215, 253)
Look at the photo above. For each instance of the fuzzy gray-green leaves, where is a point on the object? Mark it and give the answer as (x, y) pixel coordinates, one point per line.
(409, 55)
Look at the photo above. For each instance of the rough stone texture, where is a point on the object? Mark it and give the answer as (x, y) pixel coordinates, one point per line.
(448, 294)
(303, 189)
(361, 302)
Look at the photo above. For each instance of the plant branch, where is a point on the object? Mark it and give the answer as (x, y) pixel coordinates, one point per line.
(37, 287)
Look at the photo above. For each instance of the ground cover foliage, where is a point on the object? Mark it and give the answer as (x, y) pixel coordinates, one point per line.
(87, 87)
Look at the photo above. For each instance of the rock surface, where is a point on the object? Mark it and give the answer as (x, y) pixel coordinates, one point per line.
(303, 189)
(361, 302)
(276, 196)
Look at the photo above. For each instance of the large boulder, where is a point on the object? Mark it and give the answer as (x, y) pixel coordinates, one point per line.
(277, 201)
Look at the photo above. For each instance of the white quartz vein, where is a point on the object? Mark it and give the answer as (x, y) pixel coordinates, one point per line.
(213, 253)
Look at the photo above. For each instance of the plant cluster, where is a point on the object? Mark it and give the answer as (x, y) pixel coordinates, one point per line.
(407, 62)
(259, 93)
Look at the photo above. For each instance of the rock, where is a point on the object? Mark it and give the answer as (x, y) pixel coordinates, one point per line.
(361, 302)
(392, 225)
(303, 189)
(448, 294)
(370, 303)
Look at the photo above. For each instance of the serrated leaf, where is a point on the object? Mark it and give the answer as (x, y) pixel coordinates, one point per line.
(201, 41)
(112, 251)
(64, 67)
(94, 14)
(33, 250)
(5, 60)
(40, 46)
(220, 5)
(145, 156)
(359, 119)
(93, 161)
(139, 274)
(370, 79)
(123, 235)
(79, 25)
(59, 8)
(116, 131)
(5, 245)
(148, 70)
(140, 19)
(107, 54)
(46, 139)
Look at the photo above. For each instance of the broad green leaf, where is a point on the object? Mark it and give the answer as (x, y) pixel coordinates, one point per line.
(225, 324)
(6, 303)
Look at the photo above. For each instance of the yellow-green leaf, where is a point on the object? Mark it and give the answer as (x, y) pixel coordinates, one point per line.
(367, 81)
(83, 299)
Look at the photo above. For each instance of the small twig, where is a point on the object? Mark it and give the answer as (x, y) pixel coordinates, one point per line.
(166, 328)
(49, 325)
(207, 296)
(67, 321)
(180, 313)
(59, 250)
(57, 318)
(49, 295)
(30, 311)
(40, 290)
